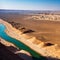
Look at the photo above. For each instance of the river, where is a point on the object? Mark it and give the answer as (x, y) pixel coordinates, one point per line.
(19, 44)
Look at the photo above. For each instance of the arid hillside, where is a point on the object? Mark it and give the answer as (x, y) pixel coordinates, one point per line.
(51, 17)
(44, 30)
(43, 33)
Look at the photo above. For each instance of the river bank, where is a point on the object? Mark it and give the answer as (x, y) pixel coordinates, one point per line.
(17, 34)
(19, 44)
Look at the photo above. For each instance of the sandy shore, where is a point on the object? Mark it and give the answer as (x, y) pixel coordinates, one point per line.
(17, 34)
(41, 50)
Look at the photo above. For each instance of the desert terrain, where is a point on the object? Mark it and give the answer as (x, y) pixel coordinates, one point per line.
(43, 29)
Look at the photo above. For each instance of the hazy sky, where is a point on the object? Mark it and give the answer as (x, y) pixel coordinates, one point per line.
(30, 4)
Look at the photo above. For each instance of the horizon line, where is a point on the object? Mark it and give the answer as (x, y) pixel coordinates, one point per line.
(29, 10)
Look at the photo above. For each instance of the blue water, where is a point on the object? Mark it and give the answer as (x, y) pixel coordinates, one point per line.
(19, 44)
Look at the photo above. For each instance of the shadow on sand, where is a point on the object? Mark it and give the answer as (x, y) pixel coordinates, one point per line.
(5, 54)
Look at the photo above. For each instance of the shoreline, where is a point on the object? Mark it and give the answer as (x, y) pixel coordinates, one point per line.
(12, 32)
(22, 39)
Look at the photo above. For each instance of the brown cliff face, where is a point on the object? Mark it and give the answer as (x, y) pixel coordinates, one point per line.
(6, 54)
